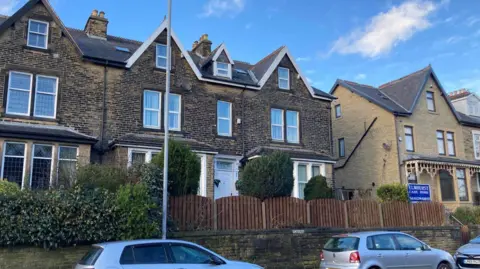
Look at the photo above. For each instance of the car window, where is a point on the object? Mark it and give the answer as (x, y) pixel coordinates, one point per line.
(383, 242)
(189, 255)
(144, 254)
(408, 243)
(339, 244)
(91, 256)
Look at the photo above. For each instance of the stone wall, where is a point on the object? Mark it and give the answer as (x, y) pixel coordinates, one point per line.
(271, 249)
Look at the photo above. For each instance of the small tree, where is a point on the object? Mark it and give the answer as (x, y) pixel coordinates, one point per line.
(267, 176)
(101, 176)
(183, 169)
(317, 188)
(393, 192)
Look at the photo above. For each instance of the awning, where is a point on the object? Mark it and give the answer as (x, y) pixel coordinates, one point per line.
(416, 164)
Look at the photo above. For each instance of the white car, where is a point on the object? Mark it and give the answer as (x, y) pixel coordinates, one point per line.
(468, 256)
(155, 254)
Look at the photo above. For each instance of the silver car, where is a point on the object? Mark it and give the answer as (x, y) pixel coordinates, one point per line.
(155, 254)
(468, 256)
(382, 250)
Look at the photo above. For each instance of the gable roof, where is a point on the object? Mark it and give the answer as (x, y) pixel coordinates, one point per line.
(6, 22)
(404, 92)
(372, 94)
(105, 51)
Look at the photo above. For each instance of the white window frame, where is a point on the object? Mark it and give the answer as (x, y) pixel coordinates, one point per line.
(148, 154)
(46, 93)
(4, 155)
(277, 125)
(309, 164)
(476, 151)
(175, 112)
(161, 56)
(38, 33)
(287, 79)
(229, 119)
(228, 69)
(432, 99)
(338, 111)
(22, 90)
(42, 158)
(159, 110)
(297, 127)
(443, 142)
(68, 160)
(409, 134)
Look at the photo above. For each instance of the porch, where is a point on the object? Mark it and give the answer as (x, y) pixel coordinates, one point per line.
(453, 182)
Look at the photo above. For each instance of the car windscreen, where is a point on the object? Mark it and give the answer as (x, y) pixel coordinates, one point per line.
(91, 256)
(339, 244)
(475, 240)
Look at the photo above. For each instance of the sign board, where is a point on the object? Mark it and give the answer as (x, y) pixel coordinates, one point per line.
(419, 193)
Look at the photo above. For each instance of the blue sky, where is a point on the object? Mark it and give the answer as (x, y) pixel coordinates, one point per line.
(368, 41)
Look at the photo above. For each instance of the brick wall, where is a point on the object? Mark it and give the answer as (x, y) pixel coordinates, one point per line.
(271, 249)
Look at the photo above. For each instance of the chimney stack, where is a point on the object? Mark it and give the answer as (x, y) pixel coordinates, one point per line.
(97, 24)
(203, 47)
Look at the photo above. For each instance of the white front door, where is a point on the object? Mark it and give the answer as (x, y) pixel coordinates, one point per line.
(225, 174)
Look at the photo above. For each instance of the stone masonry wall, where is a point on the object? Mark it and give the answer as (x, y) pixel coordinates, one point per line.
(271, 249)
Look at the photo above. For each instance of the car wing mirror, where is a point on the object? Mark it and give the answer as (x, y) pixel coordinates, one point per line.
(426, 247)
(216, 261)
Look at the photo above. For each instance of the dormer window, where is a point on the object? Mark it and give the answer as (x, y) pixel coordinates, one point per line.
(161, 56)
(37, 34)
(222, 69)
(284, 78)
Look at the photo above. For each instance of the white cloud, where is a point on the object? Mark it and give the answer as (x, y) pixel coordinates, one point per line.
(385, 30)
(360, 77)
(454, 39)
(7, 7)
(310, 71)
(472, 20)
(303, 59)
(248, 25)
(219, 8)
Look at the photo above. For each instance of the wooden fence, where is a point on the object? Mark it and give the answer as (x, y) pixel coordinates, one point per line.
(190, 213)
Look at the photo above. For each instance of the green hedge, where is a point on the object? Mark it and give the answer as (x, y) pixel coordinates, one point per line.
(83, 214)
(393, 192)
(468, 215)
(317, 188)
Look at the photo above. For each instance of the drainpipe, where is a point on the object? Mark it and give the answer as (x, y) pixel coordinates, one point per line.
(104, 112)
(242, 124)
(398, 148)
(331, 148)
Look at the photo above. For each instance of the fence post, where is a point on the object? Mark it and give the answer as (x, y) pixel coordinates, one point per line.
(309, 217)
(215, 215)
(345, 212)
(264, 217)
(413, 215)
(380, 212)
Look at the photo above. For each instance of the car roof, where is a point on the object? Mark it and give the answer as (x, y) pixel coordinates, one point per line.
(369, 233)
(139, 241)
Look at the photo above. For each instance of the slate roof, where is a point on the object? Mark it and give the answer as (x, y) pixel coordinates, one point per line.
(469, 120)
(97, 48)
(406, 90)
(323, 94)
(260, 68)
(157, 141)
(373, 95)
(44, 132)
(292, 152)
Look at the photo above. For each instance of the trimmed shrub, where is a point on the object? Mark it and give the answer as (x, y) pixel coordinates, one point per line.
(8, 188)
(101, 176)
(139, 213)
(317, 188)
(393, 192)
(183, 169)
(267, 176)
(468, 215)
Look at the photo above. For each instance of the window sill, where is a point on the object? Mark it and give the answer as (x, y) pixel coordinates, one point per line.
(31, 118)
(226, 137)
(47, 51)
(163, 70)
(284, 90)
(433, 112)
(278, 142)
(162, 130)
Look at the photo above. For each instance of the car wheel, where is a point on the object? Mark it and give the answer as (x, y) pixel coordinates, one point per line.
(444, 265)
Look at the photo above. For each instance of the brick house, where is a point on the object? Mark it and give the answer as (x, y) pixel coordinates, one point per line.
(70, 97)
(404, 131)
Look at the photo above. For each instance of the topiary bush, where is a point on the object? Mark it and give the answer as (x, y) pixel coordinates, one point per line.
(8, 188)
(101, 176)
(183, 169)
(267, 176)
(393, 192)
(317, 188)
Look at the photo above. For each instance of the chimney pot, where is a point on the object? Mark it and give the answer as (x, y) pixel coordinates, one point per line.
(203, 47)
(204, 37)
(97, 24)
(95, 12)
(102, 14)
(195, 44)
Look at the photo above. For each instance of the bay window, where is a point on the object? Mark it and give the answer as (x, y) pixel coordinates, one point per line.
(462, 185)
(41, 170)
(303, 172)
(13, 162)
(67, 165)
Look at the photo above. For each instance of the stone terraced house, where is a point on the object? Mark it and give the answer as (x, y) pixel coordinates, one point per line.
(70, 97)
(404, 131)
